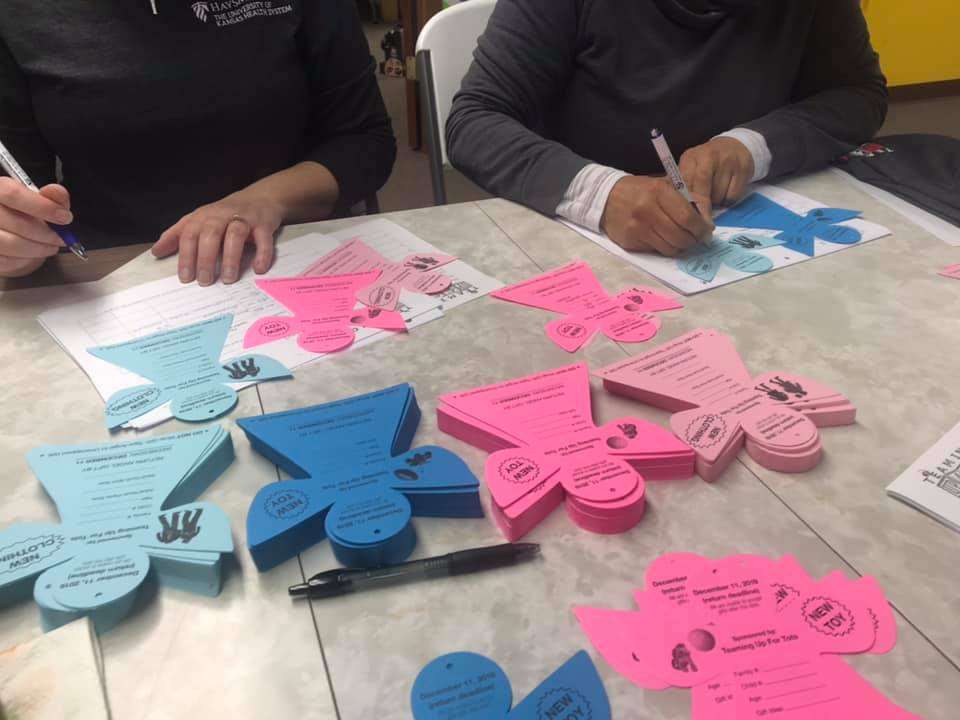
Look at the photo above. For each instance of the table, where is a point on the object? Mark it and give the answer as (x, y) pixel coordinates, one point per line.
(871, 321)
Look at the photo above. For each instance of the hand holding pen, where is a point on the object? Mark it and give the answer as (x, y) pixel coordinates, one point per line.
(31, 221)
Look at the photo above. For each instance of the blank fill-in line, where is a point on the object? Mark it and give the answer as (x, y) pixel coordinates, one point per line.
(797, 677)
(819, 702)
(785, 667)
(796, 692)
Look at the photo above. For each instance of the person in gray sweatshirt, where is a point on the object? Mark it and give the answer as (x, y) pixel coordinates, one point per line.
(557, 107)
(198, 125)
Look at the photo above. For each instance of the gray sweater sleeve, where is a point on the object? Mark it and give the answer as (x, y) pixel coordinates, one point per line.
(521, 67)
(840, 97)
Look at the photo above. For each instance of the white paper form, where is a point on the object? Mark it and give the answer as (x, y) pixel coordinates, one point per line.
(166, 304)
(666, 269)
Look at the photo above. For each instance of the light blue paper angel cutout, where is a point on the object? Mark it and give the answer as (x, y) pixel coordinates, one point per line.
(798, 232)
(184, 367)
(126, 508)
(704, 261)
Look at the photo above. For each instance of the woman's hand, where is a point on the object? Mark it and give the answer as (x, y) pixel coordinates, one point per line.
(225, 226)
(26, 240)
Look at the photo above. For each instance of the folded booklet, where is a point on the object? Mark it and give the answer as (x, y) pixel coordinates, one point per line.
(546, 450)
(124, 507)
(467, 686)
(932, 483)
(356, 480)
(751, 637)
(719, 408)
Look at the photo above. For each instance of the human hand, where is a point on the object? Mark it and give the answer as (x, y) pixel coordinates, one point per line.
(226, 225)
(719, 170)
(645, 213)
(26, 240)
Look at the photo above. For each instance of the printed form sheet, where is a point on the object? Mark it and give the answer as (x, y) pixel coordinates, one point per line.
(166, 304)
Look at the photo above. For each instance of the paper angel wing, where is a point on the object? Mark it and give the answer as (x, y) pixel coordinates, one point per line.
(284, 519)
(437, 483)
(26, 551)
(575, 690)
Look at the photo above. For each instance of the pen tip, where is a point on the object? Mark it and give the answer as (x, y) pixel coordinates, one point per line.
(79, 251)
(529, 550)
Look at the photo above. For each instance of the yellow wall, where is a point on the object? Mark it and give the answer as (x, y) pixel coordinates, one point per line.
(918, 40)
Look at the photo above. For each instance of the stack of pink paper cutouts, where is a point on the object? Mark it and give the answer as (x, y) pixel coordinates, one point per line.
(415, 273)
(323, 312)
(324, 297)
(574, 291)
(719, 408)
(751, 637)
(546, 450)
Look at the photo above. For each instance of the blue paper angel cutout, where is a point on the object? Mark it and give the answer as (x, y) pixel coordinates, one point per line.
(469, 686)
(704, 261)
(355, 480)
(798, 232)
(126, 508)
(184, 368)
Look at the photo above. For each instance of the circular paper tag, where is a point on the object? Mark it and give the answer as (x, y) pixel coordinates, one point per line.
(462, 685)
(368, 518)
(203, 402)
(324, 340)
(776, 426)
(599, 479)
(99, 576)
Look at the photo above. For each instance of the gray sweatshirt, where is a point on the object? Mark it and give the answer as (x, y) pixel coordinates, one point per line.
(155, 115)
(557, 84)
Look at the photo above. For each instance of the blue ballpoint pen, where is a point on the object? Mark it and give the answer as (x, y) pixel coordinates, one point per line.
(13, 169)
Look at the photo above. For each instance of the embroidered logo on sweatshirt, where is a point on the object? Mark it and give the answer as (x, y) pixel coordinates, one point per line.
(233, 12)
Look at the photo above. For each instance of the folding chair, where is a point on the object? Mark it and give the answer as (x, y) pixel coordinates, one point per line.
(444, 53)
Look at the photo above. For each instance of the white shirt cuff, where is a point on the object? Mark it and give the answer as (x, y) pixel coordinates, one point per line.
(757, 145)
(585, 199)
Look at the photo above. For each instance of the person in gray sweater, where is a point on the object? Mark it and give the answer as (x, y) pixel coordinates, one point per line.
(556, 109)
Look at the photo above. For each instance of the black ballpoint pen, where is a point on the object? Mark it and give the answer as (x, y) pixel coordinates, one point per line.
(345, 580)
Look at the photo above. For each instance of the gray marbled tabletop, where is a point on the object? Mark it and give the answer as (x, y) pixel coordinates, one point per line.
(254, 653)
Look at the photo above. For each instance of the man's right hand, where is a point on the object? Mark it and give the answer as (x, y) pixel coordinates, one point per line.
(645, 213)
(26, 240)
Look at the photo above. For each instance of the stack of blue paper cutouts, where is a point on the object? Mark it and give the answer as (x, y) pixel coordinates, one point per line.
(125, 507)
(356, 480)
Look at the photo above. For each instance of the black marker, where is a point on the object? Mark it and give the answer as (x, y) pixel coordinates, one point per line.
(344, 580)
